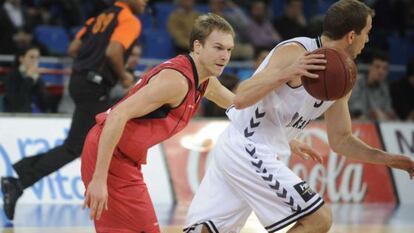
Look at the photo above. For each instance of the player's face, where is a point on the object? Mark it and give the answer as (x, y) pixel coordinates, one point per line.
(362, 38)
(138, 6)
(216, 52)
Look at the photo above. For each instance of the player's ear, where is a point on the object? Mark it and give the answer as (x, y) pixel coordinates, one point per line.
(350, 37)
(197, 46)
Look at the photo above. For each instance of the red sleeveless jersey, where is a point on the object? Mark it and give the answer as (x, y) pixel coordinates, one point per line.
(142, 133)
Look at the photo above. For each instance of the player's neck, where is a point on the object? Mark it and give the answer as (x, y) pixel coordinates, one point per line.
(329, 43)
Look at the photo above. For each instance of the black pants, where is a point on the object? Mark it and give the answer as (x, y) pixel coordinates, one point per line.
(90, 99)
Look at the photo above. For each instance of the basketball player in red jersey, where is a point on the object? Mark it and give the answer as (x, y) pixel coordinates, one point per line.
(157, 107)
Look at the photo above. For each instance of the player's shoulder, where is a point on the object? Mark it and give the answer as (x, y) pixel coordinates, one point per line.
(173, 80)
(303, 43)
(172, 75)
(176, 68)
(182, 63)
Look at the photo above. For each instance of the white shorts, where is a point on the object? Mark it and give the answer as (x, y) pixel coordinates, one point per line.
(242, 178)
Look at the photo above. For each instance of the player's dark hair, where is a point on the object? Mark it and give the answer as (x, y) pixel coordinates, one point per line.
(345, 16)
(205, 24)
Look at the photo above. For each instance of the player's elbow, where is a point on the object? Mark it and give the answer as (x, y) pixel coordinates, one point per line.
(335, 148)
(240, 102)
(116, 116)
(337, 143)
(333, 144)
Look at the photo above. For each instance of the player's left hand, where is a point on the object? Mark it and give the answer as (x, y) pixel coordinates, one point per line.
(304, 151)
(402, 162)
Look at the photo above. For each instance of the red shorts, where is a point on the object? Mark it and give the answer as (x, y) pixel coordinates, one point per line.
(130, 208)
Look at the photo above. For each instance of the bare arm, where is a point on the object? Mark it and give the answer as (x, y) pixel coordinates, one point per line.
(218, 93)
(168, 87)
(115, 54)
(339, 128)
(341, 140)
(287, 63)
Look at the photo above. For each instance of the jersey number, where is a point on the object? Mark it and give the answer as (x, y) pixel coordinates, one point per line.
(102, 22)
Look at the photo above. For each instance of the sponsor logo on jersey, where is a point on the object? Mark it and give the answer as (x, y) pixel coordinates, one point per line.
(298, 122)
(304, 191)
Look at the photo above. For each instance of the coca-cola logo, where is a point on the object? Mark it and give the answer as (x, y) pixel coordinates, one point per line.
(336, 179)
(340, 179)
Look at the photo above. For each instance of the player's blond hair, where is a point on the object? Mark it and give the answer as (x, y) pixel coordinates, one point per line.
(345, 16)
(205, 24)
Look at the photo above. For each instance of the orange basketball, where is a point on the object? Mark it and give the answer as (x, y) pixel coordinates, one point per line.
(336, 80)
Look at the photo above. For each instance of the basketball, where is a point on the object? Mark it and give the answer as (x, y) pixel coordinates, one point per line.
(336, 80)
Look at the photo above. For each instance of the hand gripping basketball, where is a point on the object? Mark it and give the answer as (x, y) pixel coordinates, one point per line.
(336, 80)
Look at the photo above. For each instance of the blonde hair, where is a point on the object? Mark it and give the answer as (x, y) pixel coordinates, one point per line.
(205, 24)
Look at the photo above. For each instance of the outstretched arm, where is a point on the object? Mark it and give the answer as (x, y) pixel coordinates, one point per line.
(218, 93)
(289, 62)
(341, 140)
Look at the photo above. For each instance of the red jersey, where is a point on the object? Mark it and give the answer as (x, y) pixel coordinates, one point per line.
(144, 132)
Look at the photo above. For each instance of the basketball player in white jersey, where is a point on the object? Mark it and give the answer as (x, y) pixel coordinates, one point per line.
(270, 109)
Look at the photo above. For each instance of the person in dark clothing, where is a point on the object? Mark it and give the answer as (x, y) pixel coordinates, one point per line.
(292, 23)
(23, 87)
(402, 94)
(100, 49)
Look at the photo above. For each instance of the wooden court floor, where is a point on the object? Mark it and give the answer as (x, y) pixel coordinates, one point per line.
(356, 218)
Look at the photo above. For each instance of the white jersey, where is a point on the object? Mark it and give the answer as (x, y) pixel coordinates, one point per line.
(281, 115)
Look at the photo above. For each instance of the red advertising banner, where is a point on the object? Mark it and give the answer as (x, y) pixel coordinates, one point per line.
(338, 179)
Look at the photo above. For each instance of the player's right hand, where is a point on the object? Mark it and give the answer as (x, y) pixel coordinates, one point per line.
(96, 198)
(304, 64)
